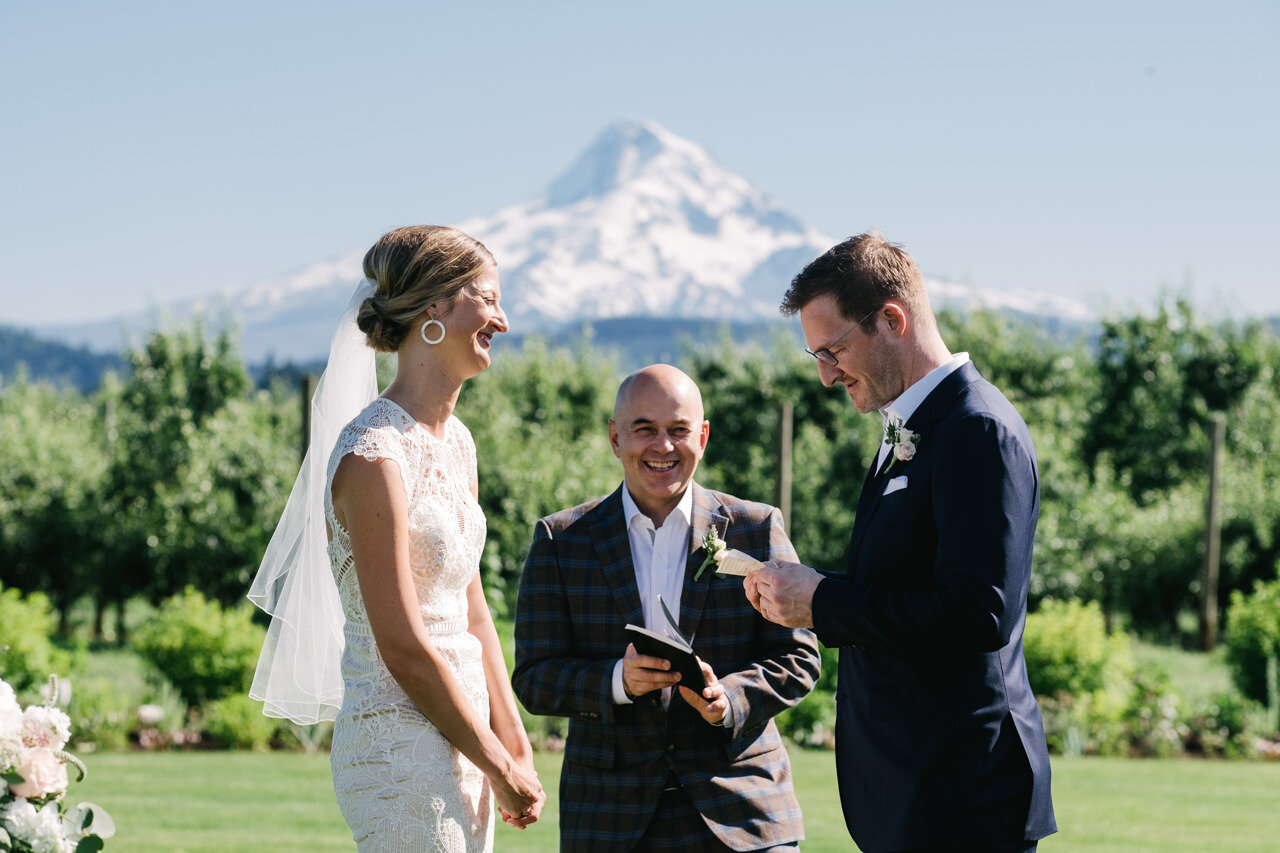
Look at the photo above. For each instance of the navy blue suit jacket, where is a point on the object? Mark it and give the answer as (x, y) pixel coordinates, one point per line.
(939, 740)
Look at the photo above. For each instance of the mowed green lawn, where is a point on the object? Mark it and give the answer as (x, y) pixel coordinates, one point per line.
(243, 802)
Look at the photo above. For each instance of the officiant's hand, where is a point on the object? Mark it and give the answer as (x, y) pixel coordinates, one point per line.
(783, 593)
(712, 704)
(643, 674)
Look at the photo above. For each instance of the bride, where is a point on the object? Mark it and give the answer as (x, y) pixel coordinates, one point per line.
(426, 734)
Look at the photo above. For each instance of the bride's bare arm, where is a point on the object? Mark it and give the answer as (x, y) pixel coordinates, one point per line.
(504, 717)
(369, 500)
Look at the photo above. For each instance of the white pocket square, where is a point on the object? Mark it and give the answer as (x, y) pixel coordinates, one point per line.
(896, 484)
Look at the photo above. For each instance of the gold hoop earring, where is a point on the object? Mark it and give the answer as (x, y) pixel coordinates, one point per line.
(431, 322)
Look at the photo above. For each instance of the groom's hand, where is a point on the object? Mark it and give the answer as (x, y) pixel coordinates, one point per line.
(712, 704)
(783, 593)
(643, 674)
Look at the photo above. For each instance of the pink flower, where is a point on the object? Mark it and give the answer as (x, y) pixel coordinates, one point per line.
(42, 774)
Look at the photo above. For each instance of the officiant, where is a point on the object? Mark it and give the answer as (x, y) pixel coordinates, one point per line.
(650, 764)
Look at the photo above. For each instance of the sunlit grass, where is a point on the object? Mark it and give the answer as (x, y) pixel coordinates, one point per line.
(209, 802)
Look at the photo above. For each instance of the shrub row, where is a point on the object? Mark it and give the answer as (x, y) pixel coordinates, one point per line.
(1096, 702)
(186, 684)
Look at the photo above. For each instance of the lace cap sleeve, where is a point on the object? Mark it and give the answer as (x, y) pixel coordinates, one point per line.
(373, 443)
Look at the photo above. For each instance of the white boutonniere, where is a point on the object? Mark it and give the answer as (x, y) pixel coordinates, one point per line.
(716, 549)
(903, 441)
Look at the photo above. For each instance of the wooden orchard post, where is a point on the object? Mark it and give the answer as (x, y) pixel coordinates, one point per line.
(308, 389)
(1212, 535)
(786, 414)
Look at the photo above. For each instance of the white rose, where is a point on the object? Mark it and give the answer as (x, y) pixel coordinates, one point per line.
(904, 450)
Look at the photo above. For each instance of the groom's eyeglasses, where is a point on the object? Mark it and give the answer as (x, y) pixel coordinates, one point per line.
(825, 355)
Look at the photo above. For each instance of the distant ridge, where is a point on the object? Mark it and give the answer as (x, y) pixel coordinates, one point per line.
(77, 367)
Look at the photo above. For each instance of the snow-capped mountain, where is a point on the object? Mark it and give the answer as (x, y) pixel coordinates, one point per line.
(643, 224)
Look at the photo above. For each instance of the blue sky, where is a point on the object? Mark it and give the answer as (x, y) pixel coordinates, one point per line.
(153, 151)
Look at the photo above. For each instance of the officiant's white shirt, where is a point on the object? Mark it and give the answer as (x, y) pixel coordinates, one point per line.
(909, 400)
(659, 557)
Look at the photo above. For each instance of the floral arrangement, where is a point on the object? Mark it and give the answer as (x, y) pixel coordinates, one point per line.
(33, 780)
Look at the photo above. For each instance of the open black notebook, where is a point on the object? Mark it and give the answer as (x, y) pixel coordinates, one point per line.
(676, 649)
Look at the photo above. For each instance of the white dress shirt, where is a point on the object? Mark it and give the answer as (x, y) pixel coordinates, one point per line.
(907, 403)
(659, 557)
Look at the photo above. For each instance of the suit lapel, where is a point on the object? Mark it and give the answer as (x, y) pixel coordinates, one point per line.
(613, 550)
(933, 408)
(866, 501)
(693, 597)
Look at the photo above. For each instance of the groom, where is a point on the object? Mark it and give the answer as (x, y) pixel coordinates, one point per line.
(649, 764)
(939, 742)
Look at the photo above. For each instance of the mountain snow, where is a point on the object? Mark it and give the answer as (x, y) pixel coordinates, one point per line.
(643, 224)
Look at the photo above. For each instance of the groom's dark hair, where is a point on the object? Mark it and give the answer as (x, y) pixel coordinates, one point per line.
(862, 273)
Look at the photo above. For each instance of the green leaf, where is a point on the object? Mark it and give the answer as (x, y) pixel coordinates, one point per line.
(6, 843)
(89, 844)
(99, 823)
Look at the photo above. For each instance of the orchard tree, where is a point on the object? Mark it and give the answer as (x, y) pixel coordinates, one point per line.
(53, 465)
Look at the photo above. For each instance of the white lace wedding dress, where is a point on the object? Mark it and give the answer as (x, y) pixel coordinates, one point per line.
(400, 784)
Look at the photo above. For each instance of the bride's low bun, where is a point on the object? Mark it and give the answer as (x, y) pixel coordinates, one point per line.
(415, 267)
(382, 332)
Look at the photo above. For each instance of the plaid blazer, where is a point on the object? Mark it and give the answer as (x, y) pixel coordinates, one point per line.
(577, 593)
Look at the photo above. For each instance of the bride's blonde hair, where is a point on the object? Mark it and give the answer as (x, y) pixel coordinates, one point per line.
(414, 267)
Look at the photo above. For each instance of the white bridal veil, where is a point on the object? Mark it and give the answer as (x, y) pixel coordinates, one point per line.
(299, 673)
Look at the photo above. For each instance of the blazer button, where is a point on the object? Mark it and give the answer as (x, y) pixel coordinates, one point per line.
(671, 748)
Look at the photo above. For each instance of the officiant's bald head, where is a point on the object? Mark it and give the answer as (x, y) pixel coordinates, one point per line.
(662, 378)
(659, 432)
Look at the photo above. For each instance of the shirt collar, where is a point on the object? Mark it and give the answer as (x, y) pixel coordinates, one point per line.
(684, 509)
(910, 399)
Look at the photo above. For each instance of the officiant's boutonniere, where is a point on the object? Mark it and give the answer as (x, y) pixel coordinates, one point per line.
(903, 441)
(715, 548)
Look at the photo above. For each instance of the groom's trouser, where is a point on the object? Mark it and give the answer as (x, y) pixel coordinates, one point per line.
(677, 825)
(1014, 847)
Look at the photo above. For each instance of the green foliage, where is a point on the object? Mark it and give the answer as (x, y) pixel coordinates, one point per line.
(1159, 379)
(199, 468)
(1253, 636)
(1219, 727)
(1068, 651)
(109, 689)
(1151, 716)
(51, 444)
(237, 722)
(540, 424)
(27, 656)
(206, 651)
